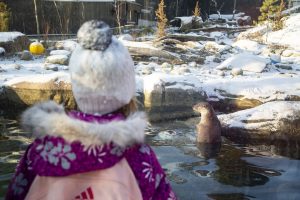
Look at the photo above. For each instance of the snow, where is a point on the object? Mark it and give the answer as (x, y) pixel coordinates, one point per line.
(228, 17)
(248, 45)
(41, 78)
(9, 36)
(263, 115)
(245, 61)
(137, 44)
(261, 80)
(265, 88)
(188, 19)
(2, 50)
(288, 36)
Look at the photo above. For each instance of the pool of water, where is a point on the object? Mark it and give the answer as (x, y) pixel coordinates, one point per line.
(231, 171)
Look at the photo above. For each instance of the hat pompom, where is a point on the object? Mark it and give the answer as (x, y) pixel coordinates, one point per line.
(94, 35)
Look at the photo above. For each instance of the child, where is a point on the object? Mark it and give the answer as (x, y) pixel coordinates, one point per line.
(97, 153)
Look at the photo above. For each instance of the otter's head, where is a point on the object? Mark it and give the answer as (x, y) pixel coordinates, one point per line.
(202, 107)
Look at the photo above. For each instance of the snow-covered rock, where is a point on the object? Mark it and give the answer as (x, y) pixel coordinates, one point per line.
(13, 41)
(215, 47)
(26, 55)
(166, 65)
(273, 120)
(255, 33)
(163, 93)
(236, 72)
(187, 22)
(275, 58)
(15, 66)
(180, 71)
(58, 59)
(288, 36)
(60, 52)
(291, 53)
(2, 51)
(68, 45)
(126, 37)
(245, 61)
(248, 45)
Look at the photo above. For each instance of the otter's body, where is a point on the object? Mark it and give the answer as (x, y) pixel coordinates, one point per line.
(209, 127)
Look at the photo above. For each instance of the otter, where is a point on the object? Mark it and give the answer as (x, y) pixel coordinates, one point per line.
(209, 127)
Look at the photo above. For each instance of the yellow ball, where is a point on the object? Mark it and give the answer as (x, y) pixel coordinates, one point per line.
(36, 48)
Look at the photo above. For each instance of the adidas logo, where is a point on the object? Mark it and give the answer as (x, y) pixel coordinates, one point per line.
(87, 194)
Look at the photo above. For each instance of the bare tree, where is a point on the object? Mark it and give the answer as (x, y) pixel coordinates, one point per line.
(218, 8)
(234, 9)
(36, 17)
(118, 11)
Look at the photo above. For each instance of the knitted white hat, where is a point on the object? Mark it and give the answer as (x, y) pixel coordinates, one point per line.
(102, 71)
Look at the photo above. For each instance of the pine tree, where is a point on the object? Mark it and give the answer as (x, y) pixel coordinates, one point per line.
(4, 17)
(161, 19)
(271, 12)
(197, 10)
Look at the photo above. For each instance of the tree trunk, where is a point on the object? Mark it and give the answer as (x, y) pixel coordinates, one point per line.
(36, 18)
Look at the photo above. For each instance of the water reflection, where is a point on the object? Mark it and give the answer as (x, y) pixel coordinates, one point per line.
(198, 171)
(233, 170)
(208, 150)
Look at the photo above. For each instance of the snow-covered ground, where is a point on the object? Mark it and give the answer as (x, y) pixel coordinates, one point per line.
(244, 68)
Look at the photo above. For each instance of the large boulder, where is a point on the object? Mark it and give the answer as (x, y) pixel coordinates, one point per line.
(272, 120)
(166, 98)
(14, 42)
(245, 61)
(23, 92)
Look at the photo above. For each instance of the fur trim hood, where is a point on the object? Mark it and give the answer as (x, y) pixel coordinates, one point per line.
(49, 118)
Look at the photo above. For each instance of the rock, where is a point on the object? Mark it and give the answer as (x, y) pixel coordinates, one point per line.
(217, 60)
(2, 51)
(255, 33)
(290, 53)
(236, 72)
(126, 37)
(26, 93)
(283, 66)
(49, 66)
(68, 45)
(26, 55)
(245, 61)
(273, 120)
(15, 66)
(60, 52)
(166, 99)
(153, 66)
(147, 71)
(215, 47)
(187, 23)
(2, 70)
(193, 64)
(166, 65)
(244, 21)
(275, 58)
(13, 42)
(221, 73)
(58, 59)
(166, 70)
(181, 71)
(248, 45)
(192, 58)
(184, 66)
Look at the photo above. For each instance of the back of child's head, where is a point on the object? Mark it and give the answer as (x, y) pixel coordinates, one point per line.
(102, 71)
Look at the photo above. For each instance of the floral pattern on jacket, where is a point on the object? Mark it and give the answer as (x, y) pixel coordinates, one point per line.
(53, 156)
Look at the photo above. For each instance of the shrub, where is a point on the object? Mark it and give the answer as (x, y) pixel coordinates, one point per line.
(271, 11)
(161, 19)
(4, 17)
